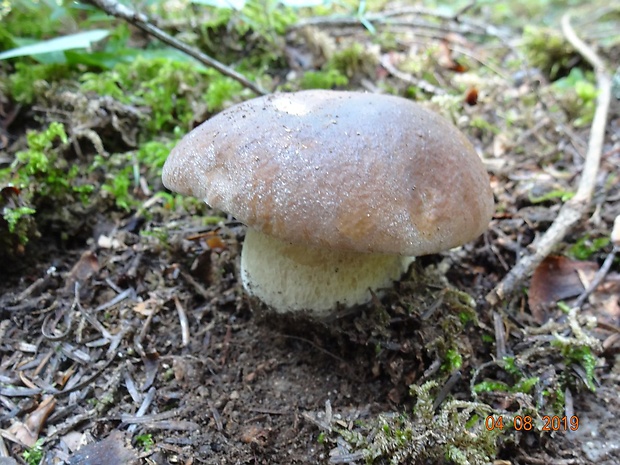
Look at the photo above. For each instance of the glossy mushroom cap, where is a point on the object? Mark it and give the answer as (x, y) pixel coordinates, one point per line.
(339, 170)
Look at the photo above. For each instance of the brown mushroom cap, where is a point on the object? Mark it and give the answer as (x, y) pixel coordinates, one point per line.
(342, 170)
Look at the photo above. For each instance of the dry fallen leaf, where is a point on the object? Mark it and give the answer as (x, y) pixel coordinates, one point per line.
(471, 96)
(557, 278)
(606, 300)
(445, 59)
(215, 242)
(28, 431)
(85, 267)
(110, 451)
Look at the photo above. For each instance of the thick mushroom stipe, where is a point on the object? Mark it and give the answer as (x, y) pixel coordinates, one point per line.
(292, 277)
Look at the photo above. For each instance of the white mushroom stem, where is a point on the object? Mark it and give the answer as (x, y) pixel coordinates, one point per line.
(291, 278)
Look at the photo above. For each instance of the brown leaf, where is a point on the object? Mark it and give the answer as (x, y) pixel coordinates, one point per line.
(28, 432)
(85, 267)
(36, 420)
(556, 278)
(110, 451)
(215, 242)
(471, 96)
(445, 59)
(606, 300)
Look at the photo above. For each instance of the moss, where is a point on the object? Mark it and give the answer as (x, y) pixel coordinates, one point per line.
(582, 356)
(352, 61)
(452, 361)
(221, 90)
(39, 176)
(586, 247)
(328, 79)
(252, 36)
(31, 80)
(33, 19)
(171, 90)
(455, 432)
(167, 87)
(547, 50)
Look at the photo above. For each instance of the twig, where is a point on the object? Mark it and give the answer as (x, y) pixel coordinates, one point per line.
(183, 321)
(458, 23)
(146, 403)
(445, 390)
(113, 8)
(500, 336)
(408, 78)
(575, 208)
(598, 277)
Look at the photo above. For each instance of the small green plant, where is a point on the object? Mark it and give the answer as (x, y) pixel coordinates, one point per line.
(14, 215)
(510, 365)
(118, 187)
(491, 386)
(561, 194)
(585, 247)
(145, 441)
(37, 159)
(125, 169)
(34, 455)
(521, 384)
(582, 356)
(526, 385)
(452, 361)
(267, 18)
(484, 125)
(34, 19)
(577, 93)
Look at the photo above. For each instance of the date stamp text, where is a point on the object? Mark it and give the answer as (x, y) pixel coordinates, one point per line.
(527, 423)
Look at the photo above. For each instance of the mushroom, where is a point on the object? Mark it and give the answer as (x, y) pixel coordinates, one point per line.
(339, 191)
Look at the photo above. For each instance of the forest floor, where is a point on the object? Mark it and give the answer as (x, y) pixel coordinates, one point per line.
(127, 338)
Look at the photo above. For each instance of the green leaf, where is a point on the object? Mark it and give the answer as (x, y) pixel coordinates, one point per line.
(554, 194)
(226, 4)
(59, 44)
(103, 60)
(305, 3)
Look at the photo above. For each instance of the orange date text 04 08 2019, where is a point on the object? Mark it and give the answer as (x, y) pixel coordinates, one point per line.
(526, 423)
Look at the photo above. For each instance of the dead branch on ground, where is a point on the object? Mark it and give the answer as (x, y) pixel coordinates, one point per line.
(450, 23)
(113, 8)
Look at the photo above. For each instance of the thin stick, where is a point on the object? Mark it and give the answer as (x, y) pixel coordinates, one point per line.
(183, 321)
(458, 23)
(573, 210)
(598, 277)
(113, 8)
(409, 79)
